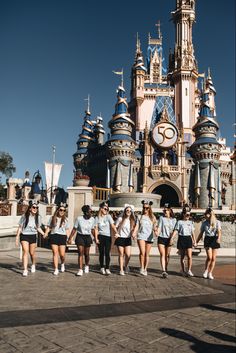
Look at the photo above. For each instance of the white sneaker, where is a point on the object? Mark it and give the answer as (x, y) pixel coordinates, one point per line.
(63, 268)
(122, 273)
(205, 274)
(210, 275)
(145, 273)
(33, 269)
(164, 274)
(56, 272)
(25, 273)
(190, 274)
(127, 269)
(102, 270)
(79, 273)
(108, 272)
(86, 269)
(141, 271)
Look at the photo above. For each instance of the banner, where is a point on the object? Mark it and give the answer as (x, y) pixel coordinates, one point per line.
(52, 170)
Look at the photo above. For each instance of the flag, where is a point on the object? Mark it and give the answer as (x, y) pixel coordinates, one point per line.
(201, 75)
(118, 72)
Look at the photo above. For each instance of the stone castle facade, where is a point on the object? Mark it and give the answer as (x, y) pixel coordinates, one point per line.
(165, 140)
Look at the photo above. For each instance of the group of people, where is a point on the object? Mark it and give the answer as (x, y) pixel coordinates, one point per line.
(127, 227)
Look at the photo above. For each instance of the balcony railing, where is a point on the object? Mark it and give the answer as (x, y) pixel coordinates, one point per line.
(100, 194)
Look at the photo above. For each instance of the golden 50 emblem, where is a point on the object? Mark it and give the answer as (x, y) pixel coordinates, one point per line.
(165, 134)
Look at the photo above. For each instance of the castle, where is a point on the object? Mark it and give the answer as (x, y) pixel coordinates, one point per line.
(164, 141)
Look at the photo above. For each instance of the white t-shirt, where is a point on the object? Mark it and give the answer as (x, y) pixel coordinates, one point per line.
(83, 225)
(208, 231)
(166, 226)
(124, 230)
(146, 226)
(59, 229)
(184, 228)
(31, 227)
(104, 224)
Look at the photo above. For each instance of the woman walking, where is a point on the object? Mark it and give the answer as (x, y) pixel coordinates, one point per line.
(29, 226)
(125, 227)
(211, 228)
(84, 227)
(146, 226)
(186, 240)
(165, 229)
(59, 228)
(104, 225)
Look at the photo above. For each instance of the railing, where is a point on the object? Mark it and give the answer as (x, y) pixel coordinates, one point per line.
(5, 209)
(21, 209)
(100, 194)
(169, 168)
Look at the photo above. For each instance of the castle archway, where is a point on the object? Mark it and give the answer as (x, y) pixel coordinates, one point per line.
(169, 192)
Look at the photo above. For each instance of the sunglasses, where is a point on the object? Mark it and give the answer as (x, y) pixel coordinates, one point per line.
(105, 208)
(146, 208)
(187, 214)
(62, 210)
(128, 211)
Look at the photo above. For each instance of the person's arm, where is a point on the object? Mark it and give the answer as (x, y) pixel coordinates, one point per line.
(219, 233)
(199, 237)
(135, 231)
(19, 230)
(96, 234)
(70, 235)
(47, 232)
(193, 236)
(39, 229)
(175, 232)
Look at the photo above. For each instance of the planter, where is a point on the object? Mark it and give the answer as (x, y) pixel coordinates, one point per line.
(81, 182)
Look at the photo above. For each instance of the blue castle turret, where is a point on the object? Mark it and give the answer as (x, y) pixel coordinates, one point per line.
(206, 153)
(121, 146)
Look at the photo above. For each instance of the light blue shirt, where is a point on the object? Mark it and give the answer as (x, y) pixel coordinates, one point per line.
(208, 231)
(83, 225)
(103, 224)
(184, 228)
(166, 226)
(59, 229)
(31, 226)
(146, 226)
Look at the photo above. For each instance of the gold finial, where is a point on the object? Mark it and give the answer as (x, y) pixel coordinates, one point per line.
(137, 44)
(122, 76)
(209, 72)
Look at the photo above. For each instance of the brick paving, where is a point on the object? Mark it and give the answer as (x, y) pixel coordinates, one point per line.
(105, 314)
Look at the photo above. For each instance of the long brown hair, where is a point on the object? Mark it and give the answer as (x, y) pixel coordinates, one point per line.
(150, 214)
(27, 214)
(212, 219)
(131, 218)
(55, 216)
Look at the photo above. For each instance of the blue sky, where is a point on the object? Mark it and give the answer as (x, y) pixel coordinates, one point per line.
(53, 53)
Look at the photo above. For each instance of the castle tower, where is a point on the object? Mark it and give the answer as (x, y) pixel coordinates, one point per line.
(99, 131)
(185, 74)
(86, 138)
(121, 147)
(206, 153)
(212, 93)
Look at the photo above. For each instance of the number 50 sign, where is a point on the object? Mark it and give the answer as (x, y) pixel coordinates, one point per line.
(164, 134)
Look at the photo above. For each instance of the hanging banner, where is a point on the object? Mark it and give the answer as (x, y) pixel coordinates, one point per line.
(52, 170)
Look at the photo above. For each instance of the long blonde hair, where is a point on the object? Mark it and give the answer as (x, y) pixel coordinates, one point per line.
(212, 219)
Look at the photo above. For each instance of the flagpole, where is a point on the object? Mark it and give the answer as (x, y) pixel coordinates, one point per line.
(53, 166)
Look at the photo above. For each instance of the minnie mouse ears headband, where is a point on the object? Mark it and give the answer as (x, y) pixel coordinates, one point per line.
(63, 205)
(129, 206)
(146, 202)
(186, 209)
(33, 202)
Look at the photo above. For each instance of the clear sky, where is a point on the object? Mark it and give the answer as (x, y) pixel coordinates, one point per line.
(53, 53)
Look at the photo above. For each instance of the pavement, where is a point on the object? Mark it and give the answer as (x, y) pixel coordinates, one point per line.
(108, 314)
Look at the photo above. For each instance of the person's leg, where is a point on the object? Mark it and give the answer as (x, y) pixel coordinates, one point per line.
(32, 248)
(167, 255)
(213, 260)
(55, 255)
(127, 250)
(62, 253)
(189, 258)
(86, 255)
(121, 257)
(208, 259)
(25, 255)
(101, 248)
(161, 249)
(81, 256)
(148, 247)
(107, 252)
(182, 256)
(142, 246)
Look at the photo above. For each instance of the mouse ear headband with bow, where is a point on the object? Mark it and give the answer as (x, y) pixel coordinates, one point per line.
(146, 202)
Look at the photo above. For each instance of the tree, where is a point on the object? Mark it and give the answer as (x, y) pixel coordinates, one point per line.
(6, 164)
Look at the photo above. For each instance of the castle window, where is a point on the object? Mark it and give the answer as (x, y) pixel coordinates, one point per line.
(186, 91)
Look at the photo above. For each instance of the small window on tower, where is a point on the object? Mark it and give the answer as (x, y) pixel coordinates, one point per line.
(186, 91)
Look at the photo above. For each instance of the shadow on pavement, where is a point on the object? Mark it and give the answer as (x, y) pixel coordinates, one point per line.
(198, 345)
(218, 308)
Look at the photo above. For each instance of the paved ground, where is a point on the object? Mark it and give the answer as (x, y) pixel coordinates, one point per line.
(109, 314)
